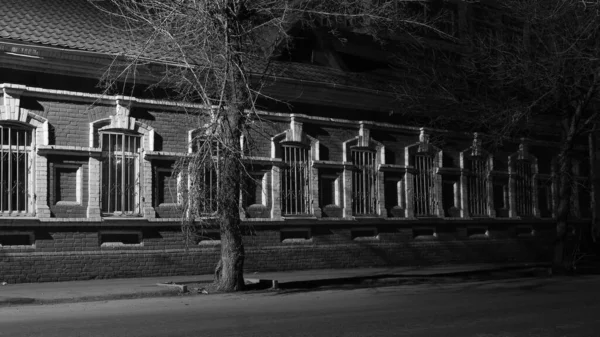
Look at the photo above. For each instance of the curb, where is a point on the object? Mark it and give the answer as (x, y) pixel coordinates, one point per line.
(397, 278)
(13, 301)
(252, 284)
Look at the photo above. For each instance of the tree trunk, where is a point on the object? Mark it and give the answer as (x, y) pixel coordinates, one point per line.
(559, 264)
(229, 272)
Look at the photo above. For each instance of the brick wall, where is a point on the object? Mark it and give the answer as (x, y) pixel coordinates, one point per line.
(68, 187)
(62, 254)
(76, 250)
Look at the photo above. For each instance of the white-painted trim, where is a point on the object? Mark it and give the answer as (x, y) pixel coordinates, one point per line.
(139, 102)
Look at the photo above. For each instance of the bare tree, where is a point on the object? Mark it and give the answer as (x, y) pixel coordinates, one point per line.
(217, 53)
(529, 65)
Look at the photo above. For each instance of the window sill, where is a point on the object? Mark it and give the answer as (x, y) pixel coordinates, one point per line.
(170, 204)
(366, 238)
(299, 217)
(17, 247)
(209, 243)
(122, 217)
(16, 215)
(68, 203)
(297, 241)
(120, 245)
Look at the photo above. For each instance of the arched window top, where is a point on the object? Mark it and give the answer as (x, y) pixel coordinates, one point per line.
(523, 154)
(132, 128)
(365, 144)
(475, 152)
(423, 148)
(522, 161)
(294, 137)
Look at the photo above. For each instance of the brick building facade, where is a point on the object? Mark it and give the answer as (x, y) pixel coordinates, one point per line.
(88, 189)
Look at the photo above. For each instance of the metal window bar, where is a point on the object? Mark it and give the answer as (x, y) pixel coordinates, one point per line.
(364, 183)
(120, 173)
(424, 186)
(524, 188)
(295, 181)
(14, 169)
(477, 186)
(210, 187)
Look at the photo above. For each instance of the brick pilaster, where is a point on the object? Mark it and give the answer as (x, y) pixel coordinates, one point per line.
(381, 195)
(347, 193)
(94, 180)
(146, 188)
(314, 187)
(409, 190)
(276, 192)
(41, 187)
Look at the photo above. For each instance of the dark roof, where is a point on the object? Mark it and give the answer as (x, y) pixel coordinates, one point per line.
(72, 24)
(79, 25)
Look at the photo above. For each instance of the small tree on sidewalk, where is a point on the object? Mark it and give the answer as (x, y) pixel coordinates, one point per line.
(218, 52)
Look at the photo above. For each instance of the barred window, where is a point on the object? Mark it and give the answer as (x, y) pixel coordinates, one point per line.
(477, 183)
(364, 182)
(209, 186)
(15, 146)
(425, 201)
(524, 187)
(203, 169)
(295, 180)
(120, 173)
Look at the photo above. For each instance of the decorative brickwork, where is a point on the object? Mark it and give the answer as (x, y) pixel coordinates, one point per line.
(76, 238)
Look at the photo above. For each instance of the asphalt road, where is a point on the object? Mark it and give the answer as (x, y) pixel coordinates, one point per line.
(534, 307)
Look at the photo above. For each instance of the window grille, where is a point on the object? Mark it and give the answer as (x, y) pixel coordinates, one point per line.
(15, 145)
(210, 187)
(296, 180)
(424, 186)
(120, 173)
(524, 188)
(477, 186)
(206, 181)
(364, 182)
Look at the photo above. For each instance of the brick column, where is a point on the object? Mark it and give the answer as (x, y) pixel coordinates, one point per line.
(409, 196)
(94, 179)
(276, 192)
(512, 188)
(146, 188)
(438, 195)
(314, 187)
(464, 202)
(490, 195)
(41, 187)
(41, 173)
(347, 193)
(381, 195)
(534, 195)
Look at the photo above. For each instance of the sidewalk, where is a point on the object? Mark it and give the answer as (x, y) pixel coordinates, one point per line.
(108, 289)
